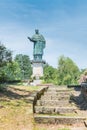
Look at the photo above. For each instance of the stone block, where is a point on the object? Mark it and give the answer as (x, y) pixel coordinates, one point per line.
(52, 103)
(54, 97)
(64, 120)
(54, 110)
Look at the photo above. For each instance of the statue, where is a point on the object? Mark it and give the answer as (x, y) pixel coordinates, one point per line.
(39, 45)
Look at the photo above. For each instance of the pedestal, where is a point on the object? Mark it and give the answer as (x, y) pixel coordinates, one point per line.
(37, 68)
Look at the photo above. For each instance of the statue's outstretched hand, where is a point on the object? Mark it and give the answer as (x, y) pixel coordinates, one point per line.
(29, 38)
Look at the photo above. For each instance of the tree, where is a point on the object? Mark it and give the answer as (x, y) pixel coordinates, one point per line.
(50, 74)
(5, 57)
(68, 72)
(25, 65)
(12, 71)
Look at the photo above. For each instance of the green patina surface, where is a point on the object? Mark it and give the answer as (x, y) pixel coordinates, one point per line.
(39, 45)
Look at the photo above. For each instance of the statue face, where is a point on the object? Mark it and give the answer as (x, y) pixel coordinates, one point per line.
(37, 31)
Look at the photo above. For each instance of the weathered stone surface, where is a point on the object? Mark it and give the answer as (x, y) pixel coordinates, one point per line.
(85, 122)
(60, 90)
(59, 102)
(52, 103)
(53, 92)
(59, 119)
(54, 97)
(56, 94)
(84, 90)
(36, 95)
(44, 110)
(54, 110)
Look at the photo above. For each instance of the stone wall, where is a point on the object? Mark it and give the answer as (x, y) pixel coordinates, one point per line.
(84, 90)
(37, 95)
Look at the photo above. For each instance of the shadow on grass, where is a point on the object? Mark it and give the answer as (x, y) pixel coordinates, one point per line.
(11, 93)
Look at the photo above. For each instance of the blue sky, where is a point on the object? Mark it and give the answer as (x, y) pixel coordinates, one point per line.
(63, 23)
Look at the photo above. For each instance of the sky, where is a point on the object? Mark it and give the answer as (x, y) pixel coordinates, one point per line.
(63, 23)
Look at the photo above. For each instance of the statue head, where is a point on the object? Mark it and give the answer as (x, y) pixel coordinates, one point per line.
(36, 31)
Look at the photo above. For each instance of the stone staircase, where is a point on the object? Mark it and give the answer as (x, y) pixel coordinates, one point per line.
(57, 107)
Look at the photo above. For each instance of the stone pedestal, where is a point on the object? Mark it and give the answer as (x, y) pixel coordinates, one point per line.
(37, 69)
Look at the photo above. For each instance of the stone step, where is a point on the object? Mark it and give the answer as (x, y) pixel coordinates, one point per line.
(52, 103)
(57, 90)
(64, 120)
(56, 93)
(54, 110)
(55, 97)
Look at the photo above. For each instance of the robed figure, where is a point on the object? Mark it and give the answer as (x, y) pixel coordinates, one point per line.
(38, 46)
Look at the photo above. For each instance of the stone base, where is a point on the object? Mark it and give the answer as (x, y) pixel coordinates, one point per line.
(37, 82)
(37, 69)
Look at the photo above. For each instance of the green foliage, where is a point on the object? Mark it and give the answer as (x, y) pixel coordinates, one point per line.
(25, 65)
(68, 72)
(2, 74)
(5, 57)
(12, 71)
(49, 74)
(3, 88)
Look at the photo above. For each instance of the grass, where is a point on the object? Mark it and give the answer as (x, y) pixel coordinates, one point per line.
(15, 110)
(63, 129)
(50, 127)
(27, 88)
(39, 129)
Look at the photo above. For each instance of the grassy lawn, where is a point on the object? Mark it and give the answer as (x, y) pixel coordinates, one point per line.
(15, 109)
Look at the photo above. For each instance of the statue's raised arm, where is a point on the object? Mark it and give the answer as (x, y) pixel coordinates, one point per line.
(31, 39)
(39, 45)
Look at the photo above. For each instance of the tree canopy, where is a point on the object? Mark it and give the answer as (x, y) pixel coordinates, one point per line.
(5, 55)
(25, 65)
(68, 71)
(12, 71)
(17, 69)
(49, 74)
